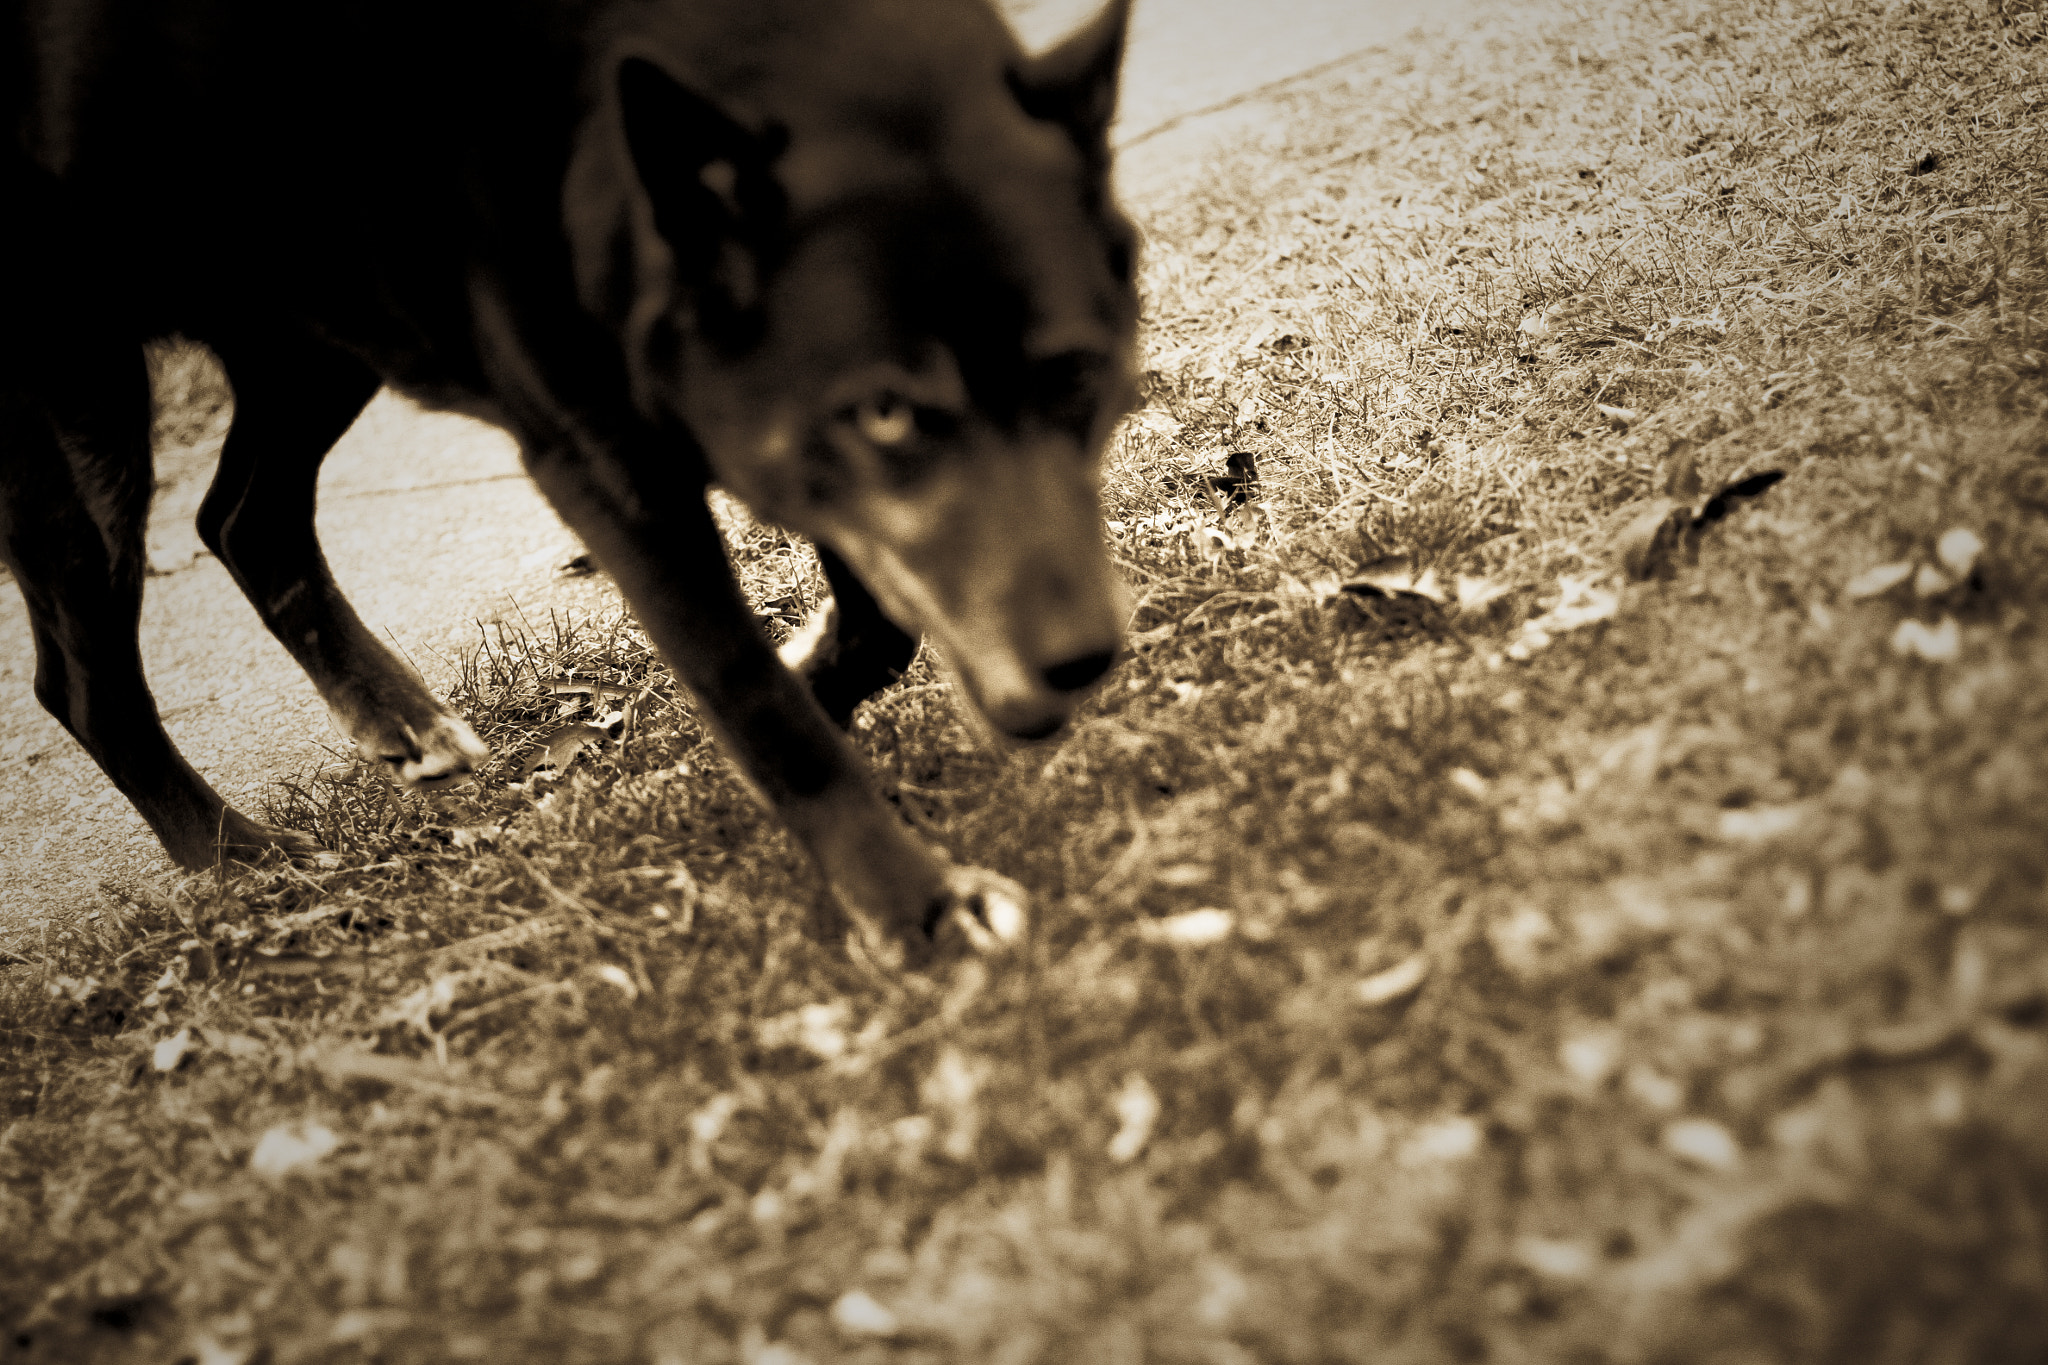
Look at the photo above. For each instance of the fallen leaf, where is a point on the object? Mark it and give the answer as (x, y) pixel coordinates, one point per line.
(1958, 549)
(1881, 578)
(346, 1064)
(561, 747)
(1650, 541)
(1137, 1109)
(1582, 601)
(1395, 577)
(1403, 978)
(1158, 422)
(1619, 416)
(1193, 929)
(579, 566)
(1476, 594)
(285, 1148)
(858, 1313)
(1938, 645)
(1735, 490)
(1703, 1142)
(1231, 488)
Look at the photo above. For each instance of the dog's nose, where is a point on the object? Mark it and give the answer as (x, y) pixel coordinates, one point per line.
(1078, 673)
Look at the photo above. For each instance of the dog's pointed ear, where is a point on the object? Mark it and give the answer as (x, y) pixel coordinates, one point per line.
(708, 177)
(1074, 83)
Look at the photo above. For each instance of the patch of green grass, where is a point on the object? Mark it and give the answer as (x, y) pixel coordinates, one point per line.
(1407, 985)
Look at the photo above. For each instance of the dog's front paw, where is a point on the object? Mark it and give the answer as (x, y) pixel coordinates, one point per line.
(982, 910)
(439, 755)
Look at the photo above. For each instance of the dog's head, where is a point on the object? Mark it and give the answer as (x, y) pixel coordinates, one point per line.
(882, 283)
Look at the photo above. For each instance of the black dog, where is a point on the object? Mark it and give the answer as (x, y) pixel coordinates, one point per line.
(854, 260)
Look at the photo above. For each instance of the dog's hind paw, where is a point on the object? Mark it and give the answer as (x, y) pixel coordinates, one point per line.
(242, 840)
(984, 910)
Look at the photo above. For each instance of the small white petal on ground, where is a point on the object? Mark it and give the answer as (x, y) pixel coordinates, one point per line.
(1928, 581)
(1958, 549)
(1760, 822)
(168, 1053)
(819, 1029)
(1181, 874)
(1469, 782)
(1879, 579)
(1703, 1142)
(1223, 1293)
(1396, 981)
(285, 1148)
(1938, 645)
(208, 1351)
(1653, 1088)
(614, 975)
(1554, 1258)
(856, 1312)
(1193, 929)
(1451, 1139)
(1591, 1056)
(1137, 1109)
(1519, 939)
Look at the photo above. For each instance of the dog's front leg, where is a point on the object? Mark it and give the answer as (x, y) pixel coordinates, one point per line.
(667, 556)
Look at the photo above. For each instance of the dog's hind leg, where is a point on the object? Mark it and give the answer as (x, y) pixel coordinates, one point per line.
(293, 401)
(850, 650)
(75, 480)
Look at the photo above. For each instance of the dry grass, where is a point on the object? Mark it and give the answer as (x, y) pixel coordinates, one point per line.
(1406, 988)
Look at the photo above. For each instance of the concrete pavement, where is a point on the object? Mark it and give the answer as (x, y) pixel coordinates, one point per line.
(431, 527)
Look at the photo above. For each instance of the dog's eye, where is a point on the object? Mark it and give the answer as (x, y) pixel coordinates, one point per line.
(885, 421)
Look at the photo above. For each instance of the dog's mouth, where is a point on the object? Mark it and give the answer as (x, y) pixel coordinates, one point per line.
(1028, 656)
(1044, 712)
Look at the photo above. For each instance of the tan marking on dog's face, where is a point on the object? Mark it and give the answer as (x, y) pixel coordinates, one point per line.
(999, 558)
(987, 540)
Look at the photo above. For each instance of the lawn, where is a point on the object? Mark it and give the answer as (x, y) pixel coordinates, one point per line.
(1560, 878)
